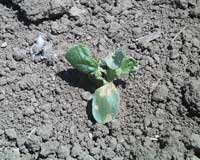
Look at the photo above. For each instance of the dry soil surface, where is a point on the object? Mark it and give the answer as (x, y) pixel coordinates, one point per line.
(45, 105)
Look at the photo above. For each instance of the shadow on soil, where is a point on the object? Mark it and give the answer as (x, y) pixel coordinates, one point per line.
(77, 79)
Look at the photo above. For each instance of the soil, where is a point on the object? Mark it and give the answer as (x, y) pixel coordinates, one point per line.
(45, 104)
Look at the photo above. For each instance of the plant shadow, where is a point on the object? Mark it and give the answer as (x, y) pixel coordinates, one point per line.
(89, 112)
(78, 79)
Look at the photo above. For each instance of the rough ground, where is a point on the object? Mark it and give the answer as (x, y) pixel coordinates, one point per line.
(44, 109)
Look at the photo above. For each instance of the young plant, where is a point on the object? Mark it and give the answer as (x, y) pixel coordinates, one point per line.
(106, 100)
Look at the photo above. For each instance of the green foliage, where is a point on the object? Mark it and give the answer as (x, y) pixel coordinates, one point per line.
(105, 104)
(80, 58)
(118, 64)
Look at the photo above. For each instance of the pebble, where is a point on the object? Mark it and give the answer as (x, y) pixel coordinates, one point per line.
(138, 132)
(33, 143)
(196, 42)
(174, 54)
(63, 151)
(19, 54)
(1, 132)
(131, 139)
(2, 97)
(113, 143)
(11, 134)
(12, 65)
(74, 11)
(45, 131)
(85, 156)
(195, 141)
(160, 93)
(4, 45)
(29, 111)
(76, 150)
(86, 95)
(20, 144)
(49, 148)
(94, 151)
(110, 154)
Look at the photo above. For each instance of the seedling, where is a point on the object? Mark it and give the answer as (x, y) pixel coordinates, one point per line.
(106, 100)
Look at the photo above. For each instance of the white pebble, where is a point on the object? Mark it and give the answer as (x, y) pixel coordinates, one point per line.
(4, 45)
(40, 42)
(74, 11)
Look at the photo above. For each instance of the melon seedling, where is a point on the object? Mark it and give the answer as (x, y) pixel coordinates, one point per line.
(106, 99)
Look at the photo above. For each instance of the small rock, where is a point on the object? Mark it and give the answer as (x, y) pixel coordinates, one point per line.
(10, 154)
(76, 150)
(147, 142)
(4, 45)
(196, 42)
(112, 142)
(109, 154)
(19, 54)
(100, 130)
(195, 141)
(45, 131)
(85, 156)
(138, 132)
(86, 95)
(94, 151)
(2, 97)
(157, 58)
(131, 139)
(29, 111)
(21, 144)
(63, 151)
(192, 95)
(49, 148)
(1, 132)
(174, 54)
(11, 134)
(114, 28)
(33, 143)
(160, 93)
(74, 11)
(12, 65)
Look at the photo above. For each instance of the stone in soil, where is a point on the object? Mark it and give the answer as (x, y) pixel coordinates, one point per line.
(195, 142)
(19, 54)
(4, 45)
(45, 131)
(160, 93)
(49, 148)
(192, 95)
(11, 134)
(33, 143)
(63, 151)
(87, 96)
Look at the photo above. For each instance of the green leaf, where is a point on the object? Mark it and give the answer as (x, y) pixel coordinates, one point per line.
(113, 61)
(79, 57)
(105, 104)
(128, 65)
(113, 74)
